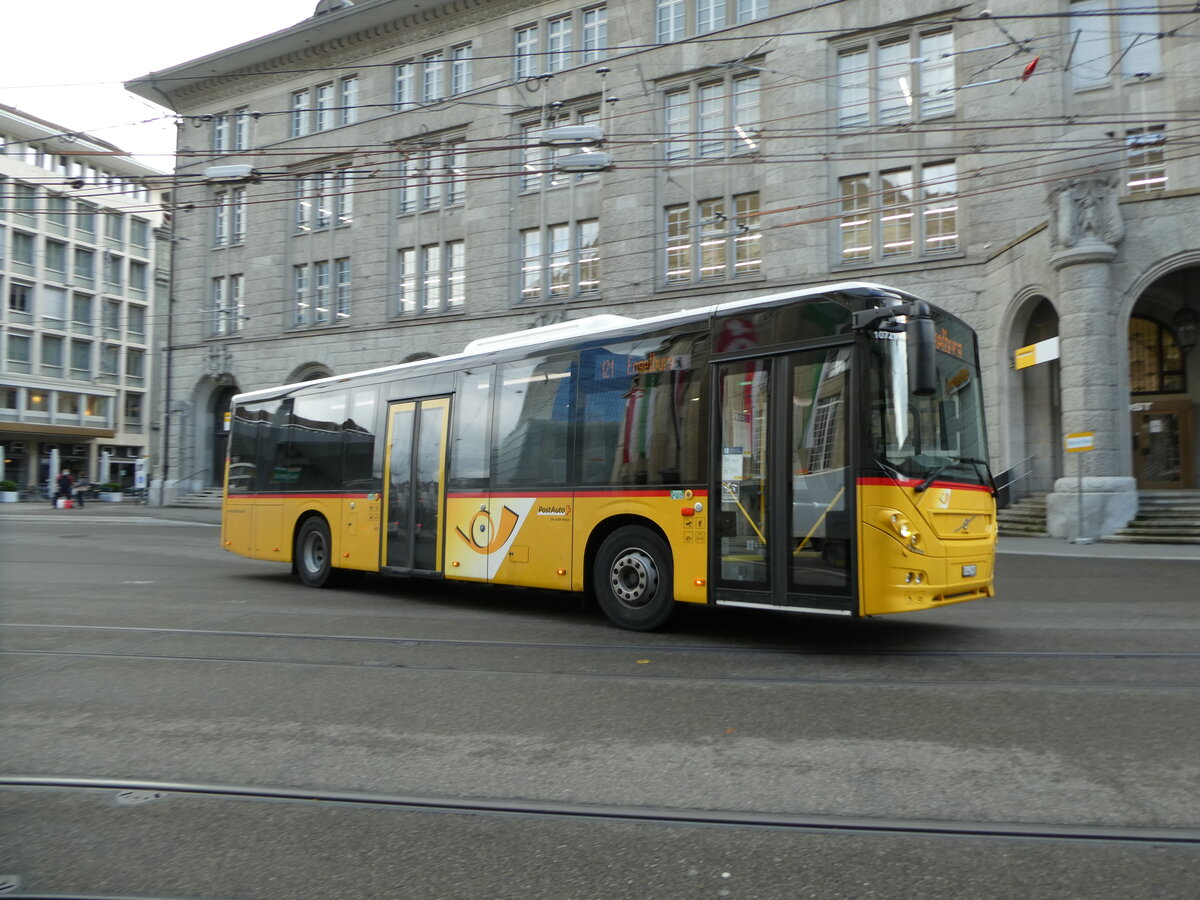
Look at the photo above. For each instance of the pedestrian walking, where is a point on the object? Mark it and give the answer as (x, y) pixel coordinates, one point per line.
(82, 486)
(63, 486)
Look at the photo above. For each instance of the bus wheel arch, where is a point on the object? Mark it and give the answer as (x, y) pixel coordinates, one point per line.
(631, 573)
(312, 551)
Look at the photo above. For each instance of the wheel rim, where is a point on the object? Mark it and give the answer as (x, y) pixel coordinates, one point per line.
(314, 552)
(634, 578)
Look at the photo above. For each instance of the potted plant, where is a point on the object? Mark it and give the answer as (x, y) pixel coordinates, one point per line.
(9, 492)
(110, 492)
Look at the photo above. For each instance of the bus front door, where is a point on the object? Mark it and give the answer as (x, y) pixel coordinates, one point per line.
(414, 482)
(782, 526)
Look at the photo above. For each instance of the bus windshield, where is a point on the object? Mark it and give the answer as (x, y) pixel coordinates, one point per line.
(939, 436)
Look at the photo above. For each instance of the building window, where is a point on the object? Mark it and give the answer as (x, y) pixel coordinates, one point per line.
(431, 278)
(56, 259)
(594, 37)
(18, 357)
(348, 100)
(139, 234)
(322, 199)
(896, 80)
(559, 41)
(891, 214)
(228, 304)
(1108, 36)
(53, 306)
(341, 288)
(135, 366)
(113, 268)
(460, 69)
(298, 126)
(710, 15)
(433, 175)
(432, 76)
(85, 267)
(404, 93)
(669, 14)
(525, 52)
(81, 313)
(1145, 160)
(713, 240)
(323, 113)
(237, 215)
(81, 360)
(110, 318)
(52, 355)
(538, 162)
(315, 293)
(20, 301)
(560, 261)
(133, 411)
(712, 119)
(1155, 361)
(220, 219)
(135, 325)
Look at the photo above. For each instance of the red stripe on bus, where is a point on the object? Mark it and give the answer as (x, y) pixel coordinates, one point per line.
(582, 492)
(913, 482)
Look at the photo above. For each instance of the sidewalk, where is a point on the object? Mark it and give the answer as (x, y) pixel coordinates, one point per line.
(99, 511)
(1009, 546)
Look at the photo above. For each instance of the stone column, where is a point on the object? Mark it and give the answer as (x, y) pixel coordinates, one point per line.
(1095, 496)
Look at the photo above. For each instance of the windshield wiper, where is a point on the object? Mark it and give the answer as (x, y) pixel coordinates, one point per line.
(924, 485)
(981, 469)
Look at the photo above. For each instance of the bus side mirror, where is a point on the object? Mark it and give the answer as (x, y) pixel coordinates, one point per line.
(922, 362)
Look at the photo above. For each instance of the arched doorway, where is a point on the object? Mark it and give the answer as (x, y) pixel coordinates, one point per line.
(1163, 393)
(1032, 420)
(219, 433)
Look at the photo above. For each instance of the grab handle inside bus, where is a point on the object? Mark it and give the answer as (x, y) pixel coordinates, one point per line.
(922, 362)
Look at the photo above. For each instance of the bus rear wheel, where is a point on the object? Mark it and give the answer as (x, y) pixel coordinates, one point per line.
(632, 579)
(313, 556)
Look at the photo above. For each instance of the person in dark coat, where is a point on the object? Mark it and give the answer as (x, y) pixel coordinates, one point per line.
(63, 486)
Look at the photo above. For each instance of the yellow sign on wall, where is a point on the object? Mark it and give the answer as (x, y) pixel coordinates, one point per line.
(1042, 351)
(1081, 441)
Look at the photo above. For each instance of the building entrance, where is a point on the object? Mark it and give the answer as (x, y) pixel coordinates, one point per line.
(1162, 445)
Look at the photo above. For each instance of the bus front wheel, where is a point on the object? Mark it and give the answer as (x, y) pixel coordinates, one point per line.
(633, 579)
(314, 564)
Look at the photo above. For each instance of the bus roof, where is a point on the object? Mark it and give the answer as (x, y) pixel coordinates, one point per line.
(595, 327)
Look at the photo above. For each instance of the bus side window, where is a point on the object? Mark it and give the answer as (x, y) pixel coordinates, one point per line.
(358, 433)
(536, 397)
(470, 442)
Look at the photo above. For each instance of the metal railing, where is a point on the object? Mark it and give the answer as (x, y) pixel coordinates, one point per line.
(1006, 493)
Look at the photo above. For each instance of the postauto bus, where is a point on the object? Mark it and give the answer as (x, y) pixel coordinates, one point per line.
(818, 451)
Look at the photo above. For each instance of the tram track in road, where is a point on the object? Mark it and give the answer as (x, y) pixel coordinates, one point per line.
(577, 660)
(134, 792)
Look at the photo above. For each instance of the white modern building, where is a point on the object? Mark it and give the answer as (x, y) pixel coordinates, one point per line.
(80, 272)
(389, 178)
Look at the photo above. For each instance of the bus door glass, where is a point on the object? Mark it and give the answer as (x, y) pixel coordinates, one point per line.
(820, 526)
(415, 484)
(782, 525)
(741, 520)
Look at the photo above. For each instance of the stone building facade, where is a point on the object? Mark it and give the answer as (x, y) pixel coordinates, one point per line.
(81, 265)
(388, 178)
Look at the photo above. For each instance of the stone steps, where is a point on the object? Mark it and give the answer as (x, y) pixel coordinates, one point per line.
(209, 498)
(1025, 518)
(1164, 517)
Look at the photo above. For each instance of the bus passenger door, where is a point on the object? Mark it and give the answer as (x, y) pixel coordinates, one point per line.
(781, 514)
(414, 485)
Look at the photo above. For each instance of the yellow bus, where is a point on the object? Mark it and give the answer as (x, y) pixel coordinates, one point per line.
(818, 451)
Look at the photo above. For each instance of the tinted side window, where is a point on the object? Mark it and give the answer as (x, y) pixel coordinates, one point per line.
(643, 413)
(535, 398)
(254, 445)
(358, 432)
(469, 443)
(314, 443)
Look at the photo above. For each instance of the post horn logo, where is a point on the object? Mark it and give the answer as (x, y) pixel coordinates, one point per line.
(482, 525)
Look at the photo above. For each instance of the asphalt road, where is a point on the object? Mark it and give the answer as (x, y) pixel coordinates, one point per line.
(179, 722)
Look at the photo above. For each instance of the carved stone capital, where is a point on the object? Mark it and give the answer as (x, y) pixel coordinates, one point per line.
(1085, 220)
